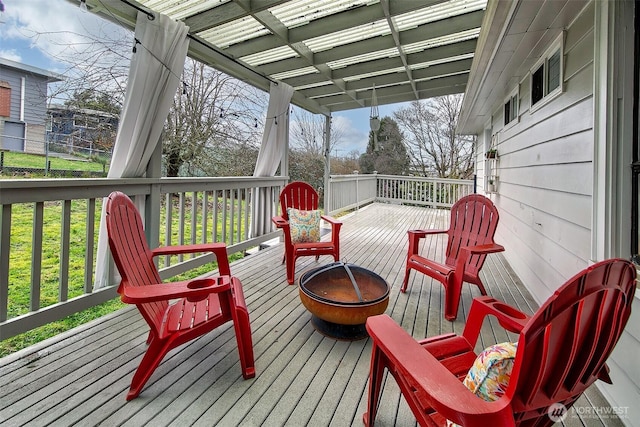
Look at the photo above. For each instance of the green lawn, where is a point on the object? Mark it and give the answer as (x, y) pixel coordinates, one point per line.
(17, 160)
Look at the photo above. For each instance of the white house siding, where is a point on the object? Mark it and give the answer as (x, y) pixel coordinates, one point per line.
(624, 394)
(546, 178)
(545, 173)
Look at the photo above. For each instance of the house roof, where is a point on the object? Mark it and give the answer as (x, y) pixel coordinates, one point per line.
(49, 76)
(514, 36)
(334, 52)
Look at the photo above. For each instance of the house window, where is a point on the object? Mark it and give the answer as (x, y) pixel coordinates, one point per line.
(85, 121)
(553, 80)
(511, 109)
(537, 85)
(546, 75)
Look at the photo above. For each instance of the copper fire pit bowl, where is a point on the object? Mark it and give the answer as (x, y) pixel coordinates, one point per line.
(341, 297)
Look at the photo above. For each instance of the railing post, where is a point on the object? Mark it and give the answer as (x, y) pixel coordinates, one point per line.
(5, 240)
(357, 194)
(152, 202)
(327, 164)
(377, 194)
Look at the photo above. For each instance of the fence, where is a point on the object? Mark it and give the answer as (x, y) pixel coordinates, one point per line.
(347, 192)
(54, 153)
(50, 229)
(49, 233)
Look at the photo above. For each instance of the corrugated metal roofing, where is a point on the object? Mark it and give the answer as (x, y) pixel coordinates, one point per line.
(331, 51)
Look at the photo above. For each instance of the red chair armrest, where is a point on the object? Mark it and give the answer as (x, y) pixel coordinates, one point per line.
(331, 220)
(218, 249)
(238, 292)
(279, 221)
(335, 228)
(484, 249)
(187, 249)
(416, 235)
(442, 390)
(510, 318)
(423, 233)
(191, 289)
(467, 251)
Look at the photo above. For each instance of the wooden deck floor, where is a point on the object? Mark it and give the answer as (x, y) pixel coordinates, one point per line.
(303, 378)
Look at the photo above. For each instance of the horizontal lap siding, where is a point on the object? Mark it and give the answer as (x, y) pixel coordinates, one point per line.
(546, 173)
(546, 177)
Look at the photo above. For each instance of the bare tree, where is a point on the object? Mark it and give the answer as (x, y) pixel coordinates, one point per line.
(430, 134)
(307, 133)
(212, 117)
(345, 165)
(215, 123)
(96, 61)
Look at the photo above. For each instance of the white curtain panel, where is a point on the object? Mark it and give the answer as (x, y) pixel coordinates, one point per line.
(154, 76)
(272, 150)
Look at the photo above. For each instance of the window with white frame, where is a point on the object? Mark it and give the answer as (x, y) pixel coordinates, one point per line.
(546, 75)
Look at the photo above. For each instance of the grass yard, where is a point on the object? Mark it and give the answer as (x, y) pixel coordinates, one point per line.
(24, 160)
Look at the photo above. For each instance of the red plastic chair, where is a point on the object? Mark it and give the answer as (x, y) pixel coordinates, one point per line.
(202, 305)
(561, 351)
(474, 219)
(302, 196)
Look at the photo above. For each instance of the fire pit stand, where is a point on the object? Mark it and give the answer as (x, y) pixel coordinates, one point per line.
(341, 297)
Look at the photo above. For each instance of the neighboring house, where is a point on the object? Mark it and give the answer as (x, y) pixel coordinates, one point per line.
(23, 106)
(554, 89)
(81, 130)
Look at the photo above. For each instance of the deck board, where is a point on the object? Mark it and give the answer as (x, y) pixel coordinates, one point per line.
(303, 378)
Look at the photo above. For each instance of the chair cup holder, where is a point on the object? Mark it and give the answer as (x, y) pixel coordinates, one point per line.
(200, 284)
(508, 310)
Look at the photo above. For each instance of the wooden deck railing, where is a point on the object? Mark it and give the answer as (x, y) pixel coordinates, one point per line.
(348, 192)
(49, 232)
(49, 229)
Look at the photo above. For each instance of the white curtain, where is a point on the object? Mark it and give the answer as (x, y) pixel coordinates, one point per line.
(154, 76)
(272, 151)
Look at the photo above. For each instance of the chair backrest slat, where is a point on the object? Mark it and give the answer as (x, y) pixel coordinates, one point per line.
(563, 348)
(298, 195)
(131, 252)
(474, 220)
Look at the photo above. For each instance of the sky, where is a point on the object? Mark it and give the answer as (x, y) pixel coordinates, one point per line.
(35, 32)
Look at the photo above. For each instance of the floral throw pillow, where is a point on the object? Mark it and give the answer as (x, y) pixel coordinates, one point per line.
(304, 225)
(489, 376)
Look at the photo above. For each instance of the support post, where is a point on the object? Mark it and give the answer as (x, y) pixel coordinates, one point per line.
(327, 162)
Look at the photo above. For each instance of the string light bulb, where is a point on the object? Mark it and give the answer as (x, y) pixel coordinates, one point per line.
(83, 5)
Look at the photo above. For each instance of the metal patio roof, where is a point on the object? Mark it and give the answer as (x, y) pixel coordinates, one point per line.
(332, 52)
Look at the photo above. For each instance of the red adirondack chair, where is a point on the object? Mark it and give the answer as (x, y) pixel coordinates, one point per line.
(202, 304)
(474, 219)
(302, 196)
(561, 351)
